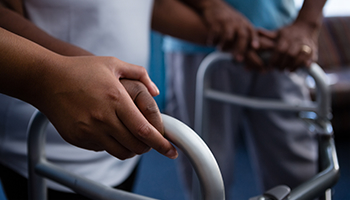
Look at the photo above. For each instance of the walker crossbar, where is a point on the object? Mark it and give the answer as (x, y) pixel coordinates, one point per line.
(329, 174)
(203, 91)
(177, 132)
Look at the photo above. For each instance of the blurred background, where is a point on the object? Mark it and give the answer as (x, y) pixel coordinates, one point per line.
(158, 177)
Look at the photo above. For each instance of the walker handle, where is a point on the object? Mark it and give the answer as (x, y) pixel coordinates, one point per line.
(182, 136)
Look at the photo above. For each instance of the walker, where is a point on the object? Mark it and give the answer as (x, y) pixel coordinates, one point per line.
(182, 136)
(317, 114)
(193, 146)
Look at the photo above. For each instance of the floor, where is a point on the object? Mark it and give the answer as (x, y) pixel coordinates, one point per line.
(158, 177)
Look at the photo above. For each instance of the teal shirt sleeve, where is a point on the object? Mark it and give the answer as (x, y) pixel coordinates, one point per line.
(268, 14)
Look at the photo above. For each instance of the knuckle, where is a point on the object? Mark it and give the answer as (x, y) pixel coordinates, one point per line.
(151, 110)
(134, 88)
(144, 131)
(79, 134)
(139, 87)
(112, 61)
(98, 116)
(114, 95)
(143, 70)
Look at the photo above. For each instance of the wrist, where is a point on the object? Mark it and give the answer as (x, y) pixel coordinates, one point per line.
(312, 27)
(312, 24)
(310, 15)
(36, 82)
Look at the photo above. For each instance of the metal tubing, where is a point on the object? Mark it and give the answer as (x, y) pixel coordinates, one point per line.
(323, 93)
(201, 86)
(36, 154)
(40, 168)
(323, 180)
(321, 107)
(84, 186)
(200, 156)
(177, 132)
(257, 103)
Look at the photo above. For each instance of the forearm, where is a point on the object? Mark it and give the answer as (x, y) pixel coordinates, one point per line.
(22, 66)
(311, 13)
(176, 19)
(27, 29)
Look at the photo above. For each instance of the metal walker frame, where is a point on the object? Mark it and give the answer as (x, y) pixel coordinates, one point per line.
(195, 148)
(181, 135)
(321, 124)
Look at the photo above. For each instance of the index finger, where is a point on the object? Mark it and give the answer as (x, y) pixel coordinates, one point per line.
(145, 102)
(130, 71)
(138, 125)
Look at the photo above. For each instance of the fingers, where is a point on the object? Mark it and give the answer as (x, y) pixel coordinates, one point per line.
(227, 34)
(213, 34)
(266, 44)
(257, 58)
(291, 56)
(268, 34)
(254, 61)
(278, 55)
(138, 125)
(244, 38)
(113, 147)
(130, 71)
(229, 30)
(304, 59)
(288, 56)
(241, 44)
(145, 102)
(149, 109)
(296, 47)
(255, 42)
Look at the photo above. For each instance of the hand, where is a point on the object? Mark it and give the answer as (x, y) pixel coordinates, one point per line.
(86, 101)
(296, 47)
(229, 29)
(257, 59)
(145, 102)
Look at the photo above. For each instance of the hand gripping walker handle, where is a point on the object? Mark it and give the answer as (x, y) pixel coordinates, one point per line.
(178, 133)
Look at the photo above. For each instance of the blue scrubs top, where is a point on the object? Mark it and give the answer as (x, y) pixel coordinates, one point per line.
(268, 14)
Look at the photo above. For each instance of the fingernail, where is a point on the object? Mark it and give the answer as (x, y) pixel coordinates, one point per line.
(156, 89)
(172, 153)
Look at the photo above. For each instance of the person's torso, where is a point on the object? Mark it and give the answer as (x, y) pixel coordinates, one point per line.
(116, 28)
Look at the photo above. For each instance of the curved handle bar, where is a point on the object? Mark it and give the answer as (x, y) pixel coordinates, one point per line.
(182, 136)
(321, 107)
(200, 156)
